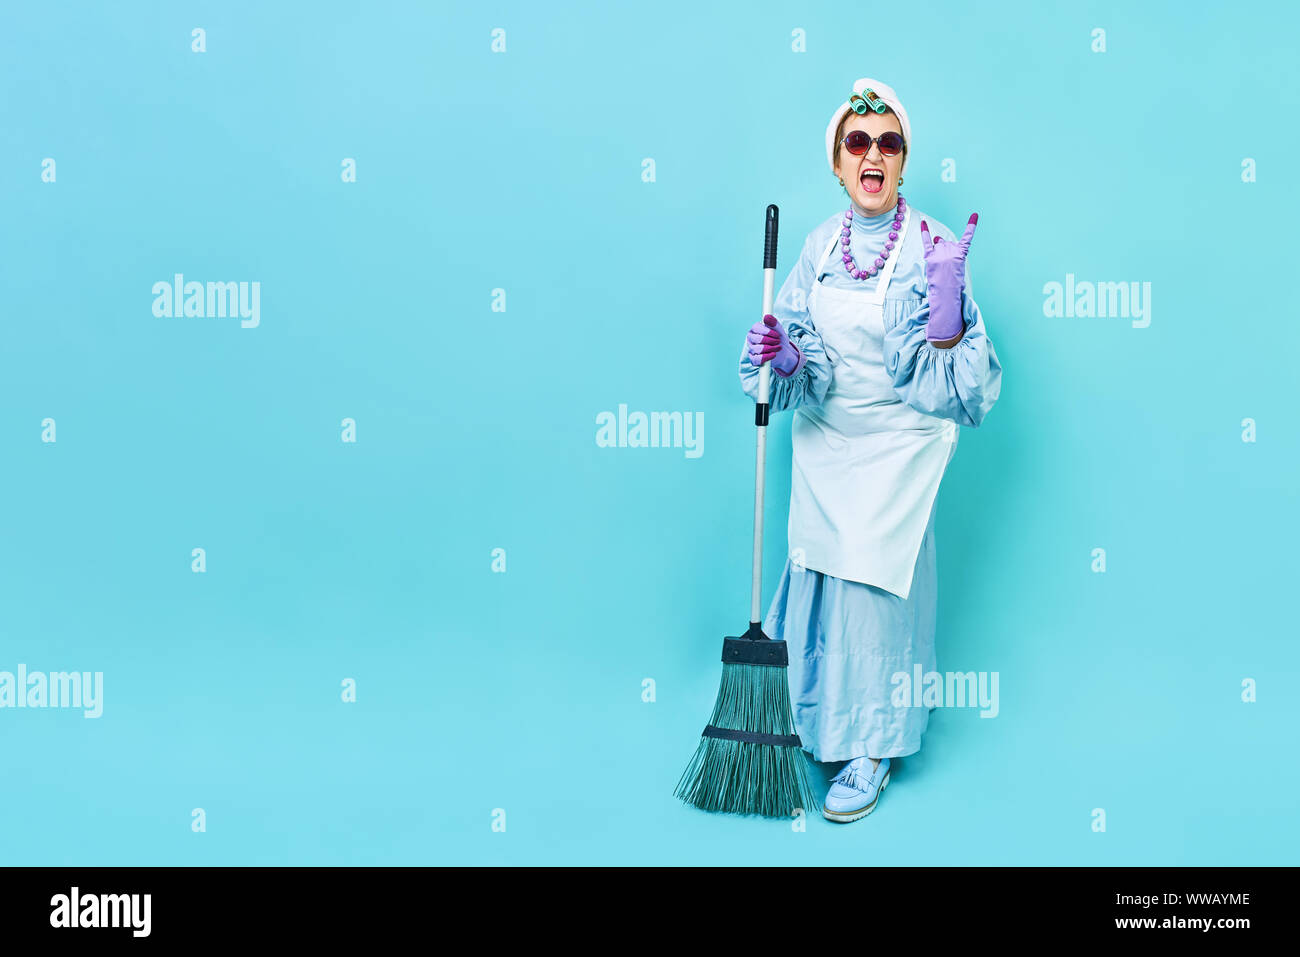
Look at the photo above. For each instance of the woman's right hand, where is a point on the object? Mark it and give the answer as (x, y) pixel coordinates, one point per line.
(768, 340)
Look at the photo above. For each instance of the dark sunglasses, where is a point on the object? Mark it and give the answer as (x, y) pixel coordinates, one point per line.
(858, 143)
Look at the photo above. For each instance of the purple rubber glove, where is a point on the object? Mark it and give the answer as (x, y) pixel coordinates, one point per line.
(768, 340)
(945, 274)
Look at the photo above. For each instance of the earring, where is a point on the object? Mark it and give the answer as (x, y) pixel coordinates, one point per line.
(841, 180)
(900, 181)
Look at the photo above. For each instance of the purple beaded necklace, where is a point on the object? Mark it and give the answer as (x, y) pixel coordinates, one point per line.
(870, 271)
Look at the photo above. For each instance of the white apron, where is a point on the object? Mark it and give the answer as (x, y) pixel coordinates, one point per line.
(866, 466)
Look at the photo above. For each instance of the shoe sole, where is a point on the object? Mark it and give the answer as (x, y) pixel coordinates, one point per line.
(846, 817)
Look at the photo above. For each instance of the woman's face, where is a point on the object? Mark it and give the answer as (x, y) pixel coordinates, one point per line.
(870, 196)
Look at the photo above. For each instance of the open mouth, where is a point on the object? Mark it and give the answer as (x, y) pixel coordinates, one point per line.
(873, 180)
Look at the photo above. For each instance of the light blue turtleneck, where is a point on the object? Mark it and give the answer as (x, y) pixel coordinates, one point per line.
(867, 238)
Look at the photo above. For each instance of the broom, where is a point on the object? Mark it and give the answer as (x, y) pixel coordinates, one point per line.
(750, 760)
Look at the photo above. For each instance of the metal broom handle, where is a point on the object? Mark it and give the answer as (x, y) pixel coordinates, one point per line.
(761, 413)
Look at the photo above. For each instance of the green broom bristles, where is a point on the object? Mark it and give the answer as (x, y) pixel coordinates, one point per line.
(737, 777)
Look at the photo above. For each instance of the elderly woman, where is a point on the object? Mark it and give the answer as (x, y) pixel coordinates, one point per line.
(880, 350)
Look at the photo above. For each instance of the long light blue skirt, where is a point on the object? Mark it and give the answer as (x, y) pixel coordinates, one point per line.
(846, 641)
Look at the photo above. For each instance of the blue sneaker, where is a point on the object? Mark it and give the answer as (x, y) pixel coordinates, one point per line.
(855, 790)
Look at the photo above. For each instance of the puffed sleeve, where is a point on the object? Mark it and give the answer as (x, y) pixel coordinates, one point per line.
(808, 384)
(960, 383)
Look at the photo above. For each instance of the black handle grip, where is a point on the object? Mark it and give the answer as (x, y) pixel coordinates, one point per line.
(769, 239)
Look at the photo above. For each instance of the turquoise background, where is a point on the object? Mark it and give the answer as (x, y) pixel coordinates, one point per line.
(476, 429)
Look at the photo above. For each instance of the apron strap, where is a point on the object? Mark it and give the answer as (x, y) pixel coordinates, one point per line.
(886, 272)
(821, 264)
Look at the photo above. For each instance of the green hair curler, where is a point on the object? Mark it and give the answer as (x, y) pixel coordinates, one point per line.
(866, 100)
